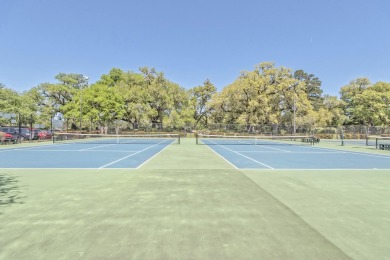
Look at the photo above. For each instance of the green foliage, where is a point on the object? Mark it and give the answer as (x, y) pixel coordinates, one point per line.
(97, 103)
(22, 105)
(72, 80)
(312, 88)
(163, 96)
(366, 104)
(112, 78)
(333, 108)
(268, 95)
(348, 95)
(200, 98)
(9, 100)
(372, 106)
(132, 89)
(130, 97)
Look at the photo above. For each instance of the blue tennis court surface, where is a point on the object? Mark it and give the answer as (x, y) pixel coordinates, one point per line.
(86, 156)
(284, 156)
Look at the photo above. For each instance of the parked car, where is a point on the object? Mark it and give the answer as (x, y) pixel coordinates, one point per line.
(41, 134)
(2, 137)
(11, 134)
(25, 134)
(36, 134)
(49, 134)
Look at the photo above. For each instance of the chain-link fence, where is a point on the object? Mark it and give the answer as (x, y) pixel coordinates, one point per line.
(344, 135)
(273, 129)
(340, 135)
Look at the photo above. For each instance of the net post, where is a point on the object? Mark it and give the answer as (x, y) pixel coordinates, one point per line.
(196, 138)
(376, 143)
(178, 138)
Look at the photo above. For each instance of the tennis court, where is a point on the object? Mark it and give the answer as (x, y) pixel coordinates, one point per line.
(289, 153)
(186, 202)
(89, 152)
(95, 152)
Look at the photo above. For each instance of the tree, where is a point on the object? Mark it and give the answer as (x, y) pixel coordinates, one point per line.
(200, 97)
(133, 90)
(333, 107)
(22, 105)
(113, 78)
(312, 88)
(97, 103)
(9, 102)
(162, 95)
(72, 80)
(51, 98)
(372, 105)
(180, 115)
(267, 95)
(348, 95)
(28, 110)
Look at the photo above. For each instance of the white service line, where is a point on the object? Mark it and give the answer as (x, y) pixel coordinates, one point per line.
(350, 152)
(275, 152)
(226, 160)
(319, 169)
(28, 148)
(275, 148)
(95, 147)
(131, 155)
(152, 157)
(104, 151)
(243, 155)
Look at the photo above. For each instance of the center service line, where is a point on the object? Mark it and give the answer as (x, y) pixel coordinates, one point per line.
(131, 155)
(243, 155)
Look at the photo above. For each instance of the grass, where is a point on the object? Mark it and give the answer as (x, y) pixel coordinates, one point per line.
(188, 203)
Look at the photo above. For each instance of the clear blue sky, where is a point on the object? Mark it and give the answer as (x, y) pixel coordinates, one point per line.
(190, 41)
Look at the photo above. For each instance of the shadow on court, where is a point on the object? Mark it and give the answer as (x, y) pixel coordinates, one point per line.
(9, 191)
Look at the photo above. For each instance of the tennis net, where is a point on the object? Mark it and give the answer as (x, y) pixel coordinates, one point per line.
(382, 143)
(116, 139)
(255, 140)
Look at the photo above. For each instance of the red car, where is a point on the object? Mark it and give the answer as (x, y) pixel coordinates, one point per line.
(41, 134)
(38, 134)
(6, 137)
(10, 134)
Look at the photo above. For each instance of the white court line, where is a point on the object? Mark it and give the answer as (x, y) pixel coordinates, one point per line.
(131, 155)
(243, 169)
(110, 151)
(28, 148)
(67, 168)
(319, 169)
(226, 160)
(96, 147)
(152, 157)
(275, 149)
(275, 152)
(350, 152)
(73, 151)
(243, 155)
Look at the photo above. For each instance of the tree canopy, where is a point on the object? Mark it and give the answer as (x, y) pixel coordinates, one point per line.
(267, 95)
